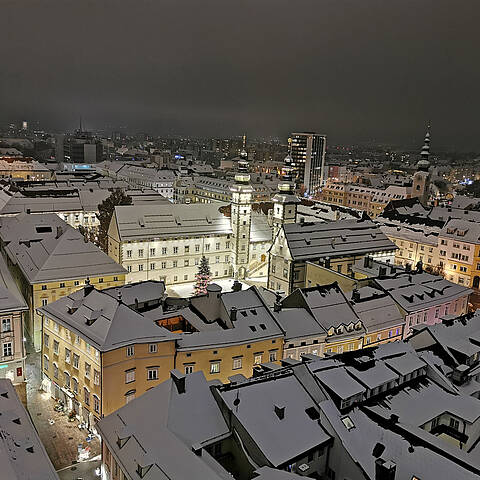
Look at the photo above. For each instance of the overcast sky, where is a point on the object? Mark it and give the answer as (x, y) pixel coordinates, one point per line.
(353, 69)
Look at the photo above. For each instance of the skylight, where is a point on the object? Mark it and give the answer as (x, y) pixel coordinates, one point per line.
(347, 421)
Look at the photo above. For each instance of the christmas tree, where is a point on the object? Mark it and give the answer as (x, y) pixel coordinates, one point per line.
(202, 277)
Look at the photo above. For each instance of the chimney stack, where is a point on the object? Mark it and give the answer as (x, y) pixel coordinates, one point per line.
(277, 307)
(385, 470)
(280, 412)
(179, 380)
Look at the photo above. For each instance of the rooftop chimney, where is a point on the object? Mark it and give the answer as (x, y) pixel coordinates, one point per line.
(280, 412)
(88, 288)
(355, 295)
(179, 380)
(385, 470)
(277, 307)
(237, 286)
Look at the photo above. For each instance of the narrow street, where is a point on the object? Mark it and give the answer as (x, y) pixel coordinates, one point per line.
(62, 438)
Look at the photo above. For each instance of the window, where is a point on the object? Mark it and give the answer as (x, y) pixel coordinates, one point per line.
(55, 347)
(189, 369)
(175, 278)
(62, 285)
(214, 367)
(77, 340)
(175, 264)
(152, 373)
(140, 253)
(129, 268)
(152, 252)
(130, 351)
(186, 263)
(185, 277)
(129, 254)
(44, 287)
(45, 362)
(152, 266)
(237, 363)
(152, 348)
(217, 246)
(55, 370)
(227, 245)
(76, 359)
(96, 404)
(74, 385)
(164, 265)
(454, 423)
(44, 302)
(86, 396)
(66, 377)
(257, 359)
(164, 250)
(46, 340)
(96, 377)
(130, 376)
(140, 267)
(88, 369)
(129, 396)
(187, 249)
(272, 356)
(175, 250)
(197, 248)
(207, 247)
(435, 422)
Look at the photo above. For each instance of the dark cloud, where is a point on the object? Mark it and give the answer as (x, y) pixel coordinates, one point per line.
(354, 69)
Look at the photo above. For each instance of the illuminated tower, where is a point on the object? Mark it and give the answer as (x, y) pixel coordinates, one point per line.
(421, 178)
(241, 216)
(285, 201)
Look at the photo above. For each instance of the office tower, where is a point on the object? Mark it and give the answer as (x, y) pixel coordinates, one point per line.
(308, 154)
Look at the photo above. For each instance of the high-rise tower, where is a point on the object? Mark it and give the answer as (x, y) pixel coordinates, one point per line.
(421, 178)
(308, 153)
(285, 201)
(241, 216)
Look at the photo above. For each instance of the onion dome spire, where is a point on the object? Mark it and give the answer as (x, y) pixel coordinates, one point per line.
(287, 175)
(424, 163)
(243, 166)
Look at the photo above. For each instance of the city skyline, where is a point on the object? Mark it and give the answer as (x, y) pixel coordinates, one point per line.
(356, 72)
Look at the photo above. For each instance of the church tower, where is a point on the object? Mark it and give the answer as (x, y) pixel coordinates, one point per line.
(421, 178)
(285, 201)
(241, 216)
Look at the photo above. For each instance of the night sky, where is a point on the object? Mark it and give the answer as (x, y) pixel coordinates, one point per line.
(356, 70)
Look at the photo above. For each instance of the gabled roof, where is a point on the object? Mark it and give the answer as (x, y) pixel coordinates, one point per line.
(103, 321)
(280, 440)
(141, 222)
(11, 299)
(336, 239)
(326, 303)
(162, 426)
(418, 291)
(47, 249)
(22, 454)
